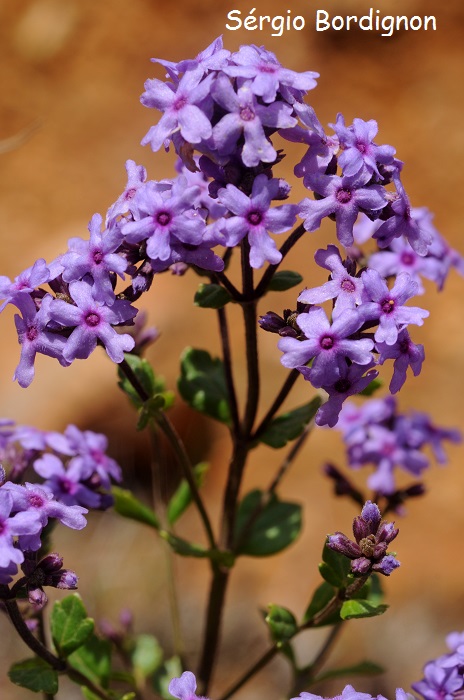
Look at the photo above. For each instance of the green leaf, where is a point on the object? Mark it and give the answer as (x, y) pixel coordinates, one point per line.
(182, 497)
(202, 384)
(145, 375)
(372, 387)
(147, 656)
(364, 668)
(211, 296)
(321, 596)
(283, 280)
(335, 568)
(290, 425)
(360, 608)
(282, 623)
(127, 505)
(36, 675)
(276, 526)
(150, 409)
(184, 548)
(172, 668)
(93, 660)
(70, 626)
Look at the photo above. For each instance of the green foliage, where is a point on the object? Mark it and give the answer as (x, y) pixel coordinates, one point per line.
(146, 377)
(361, 608)
(321, 597)
(146, 656)
(335, 568)
(202, 384)
(372, 387)
(127, 505)
(211, 296)
(282, 624)
(283, 280)
(171, 668)
(92, 660)
(36, 675)
(182, 497)
(275, 526)
(290, 425)
(69, 624)
(184, 548)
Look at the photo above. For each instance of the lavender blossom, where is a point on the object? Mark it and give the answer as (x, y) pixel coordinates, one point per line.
(23, 284)
(184, 687)
(360, 154)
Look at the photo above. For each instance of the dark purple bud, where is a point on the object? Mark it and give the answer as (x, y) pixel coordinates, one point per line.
(342, 544)
(51, 563)
(37, 598)
(387, 532)
(32, 624)
(380, 550)
(371, 514)
(342, 486)
(64, 580)
(2, 475)
(387, 565)
(360, 566)
(271, 322)
(361, 529)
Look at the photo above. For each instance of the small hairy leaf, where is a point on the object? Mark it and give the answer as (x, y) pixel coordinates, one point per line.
(274, 528)
(127, 505)
(290, 425)
(202, 384)
(36, 675)
(70, 626)
(211, 296)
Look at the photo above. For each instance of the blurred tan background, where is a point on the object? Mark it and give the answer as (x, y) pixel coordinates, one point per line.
(71, 73)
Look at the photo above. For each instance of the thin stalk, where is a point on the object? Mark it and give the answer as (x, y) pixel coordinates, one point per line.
(277, 403)
(307, 676)
(227, 357)
(227, 284)
(334, 604)
(251, 341)
(285, 248)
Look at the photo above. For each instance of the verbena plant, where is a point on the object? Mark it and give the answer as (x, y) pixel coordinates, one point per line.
(222, 112)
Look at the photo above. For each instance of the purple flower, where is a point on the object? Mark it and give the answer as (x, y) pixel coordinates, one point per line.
(163, 219)
(360, 154)
(405, 354)
(373, 535)
(388, 305)
(342, 197)
(97, 258)
(22, 524)
(246, 116)
(66, 484)
(136, 176)
(34, 337)
(25, 283)
(184, 687)
(352, 381)
(214, 57)
(266, 73)
(439, 683)
(254, 218)
(343, 287)
(92, 321)
(348, 693)
(402, 223)
(329, 345)
(89, 450)
(180, 104)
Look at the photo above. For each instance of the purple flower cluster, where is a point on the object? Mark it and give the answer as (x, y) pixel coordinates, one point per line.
(349, 693)
(376, 433)
(368, 553)
(77, 474)
(339, 355)
(444, 676)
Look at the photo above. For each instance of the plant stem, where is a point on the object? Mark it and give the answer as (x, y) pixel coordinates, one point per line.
(227, 357)
(277, 403)
(293, 238)
(307, 676)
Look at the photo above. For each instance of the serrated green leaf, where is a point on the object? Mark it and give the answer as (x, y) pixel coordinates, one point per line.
(290, 425)
(182, 497)
(372, 387)
(202, 384)
(360, 608)
(283, 280)
(282, 623)
(172, 668)
(184, 548)
(36, 675)
(127, 505)
(211, 296)
(70, 626)
(147, 656)
(93, 660)
(321, 597)
(276, 526)
(335, 568)
(364, 668)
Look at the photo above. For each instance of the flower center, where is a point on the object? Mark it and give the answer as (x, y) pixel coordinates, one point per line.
(97, 257)
(247, 114)
(387, 306)
(3, 526)
(163, 218)
(66, 485)
(344, 196)
(179, 103)
(361, 146)
(92, 319)
(407, 258)
(326, 342)
(367, 545)
(129, 194)
(267, 68)
(32, 333)
(348, 285)
(254, 218)
(342, 386)
(36, 501)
